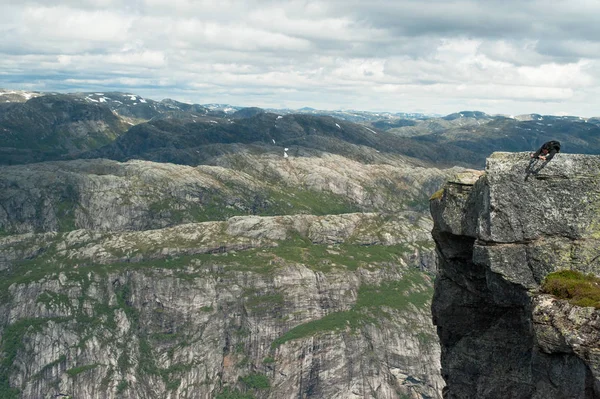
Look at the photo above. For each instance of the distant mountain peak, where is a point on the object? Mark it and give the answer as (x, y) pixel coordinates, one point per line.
(17, 96)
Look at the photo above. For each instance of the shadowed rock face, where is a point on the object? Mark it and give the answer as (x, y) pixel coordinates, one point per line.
(497, 239)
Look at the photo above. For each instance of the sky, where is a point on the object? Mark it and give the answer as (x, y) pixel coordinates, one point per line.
(430, 56)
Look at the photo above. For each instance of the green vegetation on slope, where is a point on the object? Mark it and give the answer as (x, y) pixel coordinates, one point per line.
(11, 345)
(373, 302)
(240, 201)
(578, 288)
(371, 305)
(233, 394)
(256, 381)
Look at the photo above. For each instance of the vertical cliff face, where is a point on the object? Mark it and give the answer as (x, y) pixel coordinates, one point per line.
(219, 310)
(498, 236)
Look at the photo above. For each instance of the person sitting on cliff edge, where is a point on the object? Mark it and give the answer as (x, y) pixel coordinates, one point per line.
(547, 151)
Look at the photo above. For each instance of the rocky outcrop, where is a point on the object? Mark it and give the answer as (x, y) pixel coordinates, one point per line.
(497, 237)
(107, 195)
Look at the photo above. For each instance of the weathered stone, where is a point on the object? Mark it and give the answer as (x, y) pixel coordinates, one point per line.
(497, 239)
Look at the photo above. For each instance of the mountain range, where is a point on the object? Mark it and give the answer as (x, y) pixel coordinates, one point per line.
(121, 126)
(158, 249)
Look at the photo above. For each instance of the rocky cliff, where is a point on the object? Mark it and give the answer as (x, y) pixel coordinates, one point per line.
(262, 277)
(497, 237)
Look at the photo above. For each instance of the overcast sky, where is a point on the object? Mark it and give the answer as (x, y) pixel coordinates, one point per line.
(435, 56)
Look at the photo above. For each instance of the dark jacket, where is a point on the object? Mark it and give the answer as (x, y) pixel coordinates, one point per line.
(552, 146)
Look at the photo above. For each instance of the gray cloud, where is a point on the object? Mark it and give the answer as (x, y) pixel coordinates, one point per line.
(436, 56)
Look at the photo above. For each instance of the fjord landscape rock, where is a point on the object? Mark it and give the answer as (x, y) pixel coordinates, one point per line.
(188, 310)
(258, 277)
(497, 238)
(139, 195)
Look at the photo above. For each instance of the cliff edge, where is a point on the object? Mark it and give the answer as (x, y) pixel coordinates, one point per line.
(498, 234)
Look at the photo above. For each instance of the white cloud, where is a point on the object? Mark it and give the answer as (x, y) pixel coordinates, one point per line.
(504, 56)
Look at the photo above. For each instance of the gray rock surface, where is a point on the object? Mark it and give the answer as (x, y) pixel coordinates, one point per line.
(497, 239)
(184, 312)
(115, 282)
(107, 195)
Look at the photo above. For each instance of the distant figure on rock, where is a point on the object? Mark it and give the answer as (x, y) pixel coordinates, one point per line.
(547, 150)
(545, 153)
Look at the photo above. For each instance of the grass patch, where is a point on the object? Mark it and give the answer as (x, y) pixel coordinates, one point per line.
(268, 303)
(577, 288)
(396, 294)
(256, 381)
(12, 343)
(53, 300)
(122, 386)
(78, 370)
(238, 201)
(296, 201)
(437, 195)
(369, 307)
(233, 394)
(331, 322)
(49, 366)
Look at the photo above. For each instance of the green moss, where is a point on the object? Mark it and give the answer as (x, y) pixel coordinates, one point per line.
(437, 195)
(578, 288)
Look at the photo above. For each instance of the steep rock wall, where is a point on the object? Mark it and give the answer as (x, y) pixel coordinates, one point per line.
(256, 307)
(497, 237)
